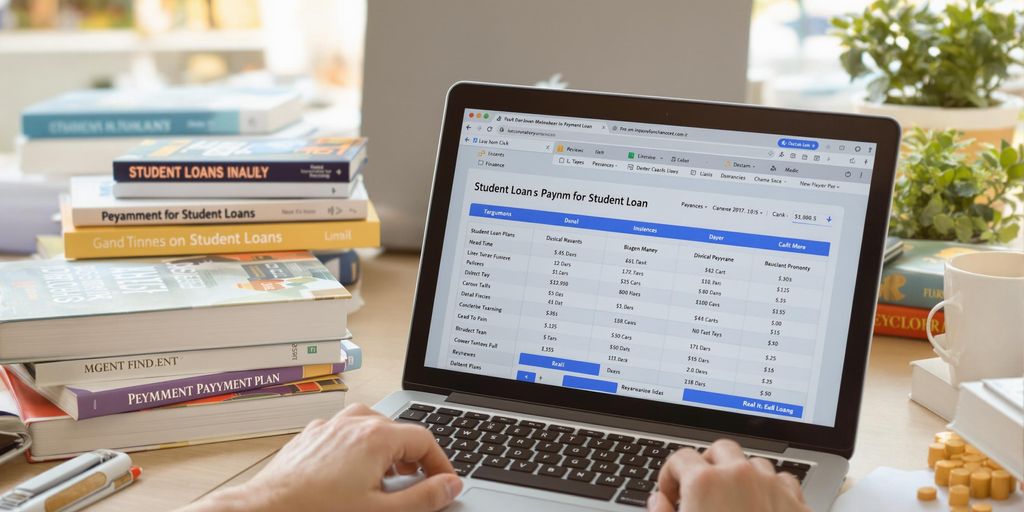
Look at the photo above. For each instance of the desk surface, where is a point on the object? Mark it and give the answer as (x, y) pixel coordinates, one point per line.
(893, 430)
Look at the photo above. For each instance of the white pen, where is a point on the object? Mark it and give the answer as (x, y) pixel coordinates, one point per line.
(68, 486)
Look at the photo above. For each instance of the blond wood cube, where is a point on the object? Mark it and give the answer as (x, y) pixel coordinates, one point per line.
(942, 469)
(981, 482)
(959, 495)
(926, 493)
(1002, 485)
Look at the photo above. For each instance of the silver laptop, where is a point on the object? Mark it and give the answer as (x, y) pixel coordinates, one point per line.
(415, 50)
(606, 279)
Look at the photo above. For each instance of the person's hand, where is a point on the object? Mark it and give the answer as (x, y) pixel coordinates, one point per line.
(723, 479)
(337, 465)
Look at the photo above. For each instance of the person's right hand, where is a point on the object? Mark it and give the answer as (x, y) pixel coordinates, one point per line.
(723, 479)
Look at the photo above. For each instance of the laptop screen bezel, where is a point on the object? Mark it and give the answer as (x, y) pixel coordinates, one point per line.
(884, 132)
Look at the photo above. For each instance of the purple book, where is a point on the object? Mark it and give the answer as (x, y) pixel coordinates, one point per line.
(103, 398)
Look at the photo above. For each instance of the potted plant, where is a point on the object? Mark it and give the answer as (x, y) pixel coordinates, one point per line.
(939, 195)
(936, 69)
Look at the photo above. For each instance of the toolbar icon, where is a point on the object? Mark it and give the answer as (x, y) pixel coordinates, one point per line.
(559, 149)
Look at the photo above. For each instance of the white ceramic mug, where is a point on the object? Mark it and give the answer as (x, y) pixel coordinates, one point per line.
(984, 304)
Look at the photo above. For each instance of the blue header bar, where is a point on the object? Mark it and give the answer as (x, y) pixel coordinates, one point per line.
(572, 381)
(652, 229)
(742, 403)
(798, 144)
(557, 363)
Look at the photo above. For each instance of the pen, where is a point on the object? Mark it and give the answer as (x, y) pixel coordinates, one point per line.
(64, 487)
(120, 483)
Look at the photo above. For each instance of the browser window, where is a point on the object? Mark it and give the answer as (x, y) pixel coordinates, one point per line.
(677, 264)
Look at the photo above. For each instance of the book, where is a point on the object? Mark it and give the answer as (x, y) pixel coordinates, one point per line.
(200, 110)
(931, 388)
(915, 278)
(90, 400)
(318, 159)
(93, 204)
(58, 309)
(28, 207)
(995, 425)
(187, 362)
(906, 322)
(93, 155)
(49, 246)
(259, 412)
(893, 248)
(131, 241)
(220, 190)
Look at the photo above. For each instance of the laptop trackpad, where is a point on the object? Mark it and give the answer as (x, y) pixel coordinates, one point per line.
(495, 501)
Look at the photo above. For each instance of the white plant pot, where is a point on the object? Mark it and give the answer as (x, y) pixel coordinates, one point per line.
(984, 125)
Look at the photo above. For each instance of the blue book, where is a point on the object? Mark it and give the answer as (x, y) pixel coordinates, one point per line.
(177, 111)
(353, 355)
(322, 158)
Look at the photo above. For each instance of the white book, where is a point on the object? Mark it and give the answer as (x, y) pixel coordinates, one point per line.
(75, 156)
(992, 423)
(930, 386)
(184, 362)
(93, 204)
(166, 189)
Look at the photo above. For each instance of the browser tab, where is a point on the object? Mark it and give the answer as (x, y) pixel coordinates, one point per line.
(798, 144)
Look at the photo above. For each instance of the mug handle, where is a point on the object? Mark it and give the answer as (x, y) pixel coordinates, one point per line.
(943, 352)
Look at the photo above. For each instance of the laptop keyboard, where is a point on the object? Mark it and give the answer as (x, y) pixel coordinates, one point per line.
(582, 462)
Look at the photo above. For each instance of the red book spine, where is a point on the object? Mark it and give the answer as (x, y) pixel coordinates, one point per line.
(906, 322)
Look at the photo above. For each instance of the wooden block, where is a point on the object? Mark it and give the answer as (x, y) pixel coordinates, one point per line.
(981, 507)
(972, 457)
(926, 493)
(959, 495)
(959, 508)
(1001, 486)
(936, 452)
(954, 447)
(981, 482)
(959, 476)
(971, 449)
(993, 464)
(971, 466)
(942, 469)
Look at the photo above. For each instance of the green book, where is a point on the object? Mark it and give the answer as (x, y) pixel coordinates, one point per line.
(915, 278)
(57, 309)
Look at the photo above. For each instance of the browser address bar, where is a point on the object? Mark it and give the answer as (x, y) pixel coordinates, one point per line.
(536, 146)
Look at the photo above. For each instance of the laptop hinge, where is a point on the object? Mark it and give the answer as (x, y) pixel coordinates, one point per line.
(608, 420)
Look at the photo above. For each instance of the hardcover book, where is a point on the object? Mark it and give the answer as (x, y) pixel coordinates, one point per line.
(322, 158)
(93, 204)
(228, 189)
(128, 241)
(915, 278)
(58, 309)
(174, 111)
(906, 322)
(189, 362)
(259, 412)
(89, 400)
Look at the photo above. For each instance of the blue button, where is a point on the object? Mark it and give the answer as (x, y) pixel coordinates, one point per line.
(526, 376)
(572, 381)
(743, 403)
(798, 143)
(557, 363)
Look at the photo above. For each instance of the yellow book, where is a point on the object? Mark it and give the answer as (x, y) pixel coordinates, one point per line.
(132, 241)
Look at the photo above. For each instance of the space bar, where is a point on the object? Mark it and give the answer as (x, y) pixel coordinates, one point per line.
(546, 483)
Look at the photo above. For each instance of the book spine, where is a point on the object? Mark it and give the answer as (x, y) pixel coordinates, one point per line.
(127, 170)
(46, 125)
(279, 211)
(241, 190)
(107, 242)
(906, 322)
(147, 396)
(353, 355)
(911, 289)
(81, 371)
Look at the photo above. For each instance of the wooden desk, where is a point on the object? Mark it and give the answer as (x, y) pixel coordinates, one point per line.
(893, 430)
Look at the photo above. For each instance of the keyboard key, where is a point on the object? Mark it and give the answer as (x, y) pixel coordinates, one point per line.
(634, 498)
(610, 480)
(469, 457)
(555, 471)
(413, 415)
(503, 419)
(620, 438)
(637, 485)
(448, 452)
(493, 427)
(605, 467)
(798, 466)
(439, 419)
(476, 416)
(497, 462)
(449, 412)
(544, 483)
(545, 446)
(524, 466)
(441, 430)
(650, 442)
(576, 462)
(545, 435)
(465, 445)
(547, 458)
(462, 468)
(561, 428)
(531, 424)
(605, 455)
(629, 448)
(633, 472)
(494, 438)
(590, 433)
(676, 446)
(465, 433)
(519, 453)
(521, 442)
(656, 464)
(520, 431)
(492, 449)
(422, 407)
(465, 423)
(600, 444)
(577, 451)
(572, 439)
(634, 460)
(656, 451)
(443, 442)
(582, 475)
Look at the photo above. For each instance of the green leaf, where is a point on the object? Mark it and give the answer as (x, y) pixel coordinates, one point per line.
(1008, 233)
(1008, 156)
(942, 224)
(1015, 172)
(964, 229)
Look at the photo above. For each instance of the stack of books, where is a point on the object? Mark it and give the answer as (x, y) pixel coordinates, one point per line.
(147, 353)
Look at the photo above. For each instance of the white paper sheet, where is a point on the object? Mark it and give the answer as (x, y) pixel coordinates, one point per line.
(888, 489)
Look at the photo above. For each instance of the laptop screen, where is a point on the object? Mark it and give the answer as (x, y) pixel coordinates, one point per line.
(693, 266)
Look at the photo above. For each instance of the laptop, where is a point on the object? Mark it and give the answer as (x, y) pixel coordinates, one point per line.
(415, 50)
(608, 278)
